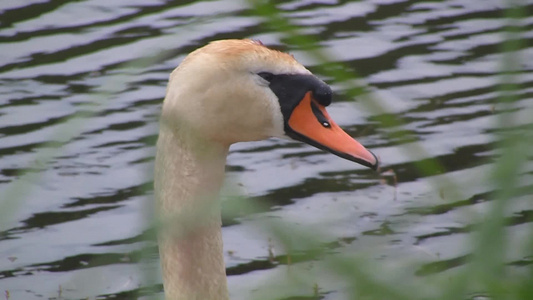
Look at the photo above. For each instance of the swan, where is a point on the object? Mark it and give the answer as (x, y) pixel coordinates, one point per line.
(226, 92)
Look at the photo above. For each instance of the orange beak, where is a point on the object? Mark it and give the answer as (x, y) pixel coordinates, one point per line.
(311, 123)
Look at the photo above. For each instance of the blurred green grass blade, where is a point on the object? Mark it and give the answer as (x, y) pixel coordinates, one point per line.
(489, 258)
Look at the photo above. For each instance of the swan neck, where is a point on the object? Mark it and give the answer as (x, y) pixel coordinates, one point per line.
(188, 178)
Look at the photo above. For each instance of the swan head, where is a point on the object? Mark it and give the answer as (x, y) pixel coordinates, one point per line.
(239, 90)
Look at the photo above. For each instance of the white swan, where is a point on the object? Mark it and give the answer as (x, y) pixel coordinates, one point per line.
(226, 92)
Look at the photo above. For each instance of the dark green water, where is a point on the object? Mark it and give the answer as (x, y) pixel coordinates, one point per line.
(76, 230)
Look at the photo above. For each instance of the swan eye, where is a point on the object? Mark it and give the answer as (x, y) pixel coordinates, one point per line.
(266, 76)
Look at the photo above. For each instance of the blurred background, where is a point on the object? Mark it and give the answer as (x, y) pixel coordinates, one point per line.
(446, 106)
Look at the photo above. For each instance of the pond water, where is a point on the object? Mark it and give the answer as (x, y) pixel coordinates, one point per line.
(72, 225)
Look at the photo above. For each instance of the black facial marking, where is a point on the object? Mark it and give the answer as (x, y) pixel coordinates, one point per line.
(290, 90)
(266, 76)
